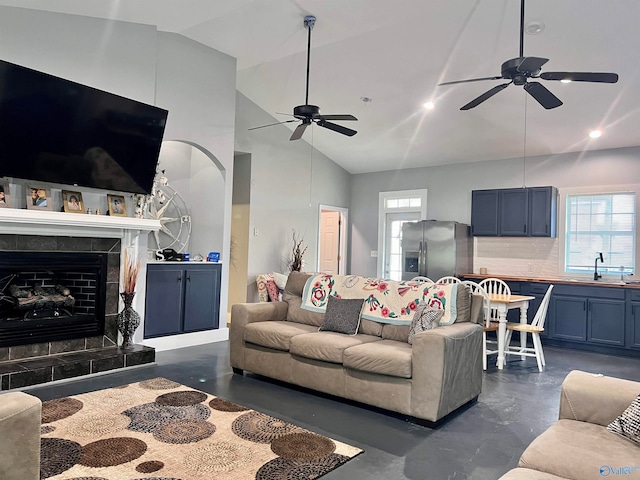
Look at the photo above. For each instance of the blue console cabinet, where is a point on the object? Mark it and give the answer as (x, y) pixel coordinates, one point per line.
(181, 298)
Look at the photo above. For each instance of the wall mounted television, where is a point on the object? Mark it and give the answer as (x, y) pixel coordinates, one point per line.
(59, 131)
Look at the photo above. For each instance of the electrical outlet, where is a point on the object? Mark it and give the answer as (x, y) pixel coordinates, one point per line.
(255, 231)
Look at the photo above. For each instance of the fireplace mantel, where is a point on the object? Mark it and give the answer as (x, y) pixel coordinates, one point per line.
(44, 222)
(133, 233)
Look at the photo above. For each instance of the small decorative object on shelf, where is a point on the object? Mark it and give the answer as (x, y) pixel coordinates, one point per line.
(128, 319)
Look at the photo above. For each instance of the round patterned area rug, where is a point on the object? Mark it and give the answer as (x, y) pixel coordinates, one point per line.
(160, 430)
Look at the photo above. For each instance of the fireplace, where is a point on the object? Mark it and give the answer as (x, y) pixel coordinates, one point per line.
(50, 296)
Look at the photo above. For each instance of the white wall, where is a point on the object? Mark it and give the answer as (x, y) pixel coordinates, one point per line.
(450, 187)
(285, 191)
(195, 83)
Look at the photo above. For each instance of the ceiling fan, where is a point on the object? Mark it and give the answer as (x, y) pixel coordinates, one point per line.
(521, 69)
(311, 113)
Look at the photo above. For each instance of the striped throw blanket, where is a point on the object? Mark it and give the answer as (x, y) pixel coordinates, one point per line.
(385, 301)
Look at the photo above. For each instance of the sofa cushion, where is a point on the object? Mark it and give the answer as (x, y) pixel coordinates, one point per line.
(574, 449)
(399, 333)
(386, 357)
(528, 474)
(326, 346)
(296, 282)
(342, 315)
(463, 303)
(273, 291)
(628, 423)
(293, 296)
(275, 334)
(369, 327)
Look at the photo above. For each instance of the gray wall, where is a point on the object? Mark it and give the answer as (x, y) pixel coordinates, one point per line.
(449, 188)
(195, 83)
(289, 180)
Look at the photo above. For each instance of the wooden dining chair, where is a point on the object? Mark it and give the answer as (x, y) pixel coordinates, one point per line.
(488, 325)
(496, 286)
(448, 279)
(421, 279)
(535, 328)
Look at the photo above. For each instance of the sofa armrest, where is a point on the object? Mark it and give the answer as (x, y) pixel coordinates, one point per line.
(447, 369)
(594, 398)
(244, 313)
(20, 418)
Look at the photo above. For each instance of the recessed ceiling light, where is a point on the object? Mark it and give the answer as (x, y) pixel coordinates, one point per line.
(429, 105)
(565, 80)
(595, 133)
(534, 27)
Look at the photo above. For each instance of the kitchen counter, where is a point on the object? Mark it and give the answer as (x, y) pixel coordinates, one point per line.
(555, 280)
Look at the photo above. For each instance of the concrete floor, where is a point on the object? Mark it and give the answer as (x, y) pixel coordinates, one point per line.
(480, 443)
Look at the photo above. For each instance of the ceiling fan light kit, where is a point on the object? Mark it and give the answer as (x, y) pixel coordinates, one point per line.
(309, 114)
(519, 71)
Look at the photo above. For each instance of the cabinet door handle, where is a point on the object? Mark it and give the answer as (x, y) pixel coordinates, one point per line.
(179, 278)
(546, 229)
(525, 228)
(188, 278)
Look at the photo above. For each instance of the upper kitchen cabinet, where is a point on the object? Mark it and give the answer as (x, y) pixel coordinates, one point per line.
(514, 212)
(484, 213)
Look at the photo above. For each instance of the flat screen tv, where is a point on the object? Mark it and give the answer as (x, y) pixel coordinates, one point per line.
(59, 131)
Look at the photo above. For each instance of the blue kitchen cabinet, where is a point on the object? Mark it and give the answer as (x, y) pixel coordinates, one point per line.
(513, 212)
(484, 213)
(543, 211)
(633, 319)
(569, 318)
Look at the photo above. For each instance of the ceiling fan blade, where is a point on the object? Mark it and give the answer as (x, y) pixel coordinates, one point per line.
(531, 64)
(337, 128)
(485, 96)
(581, 76)
(544, 97)
(272, 124)
(297, 133)
(338, 117)
(469, 80)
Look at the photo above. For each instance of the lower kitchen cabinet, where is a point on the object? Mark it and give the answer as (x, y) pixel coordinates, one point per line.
(569, 316)
(181, 298)
(606, 322)
(633, 319)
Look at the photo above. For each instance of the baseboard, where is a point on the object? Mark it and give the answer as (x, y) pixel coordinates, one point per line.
(187, 339)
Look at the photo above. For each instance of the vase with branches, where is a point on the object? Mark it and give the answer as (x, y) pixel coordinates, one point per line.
(128, 320)
(298, 250)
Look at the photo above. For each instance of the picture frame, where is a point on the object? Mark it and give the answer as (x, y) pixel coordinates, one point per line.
(39, 198)
(72, 201)
(5, 196)
(117, 205)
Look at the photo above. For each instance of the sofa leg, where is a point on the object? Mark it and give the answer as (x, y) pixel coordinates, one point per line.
(238, 371)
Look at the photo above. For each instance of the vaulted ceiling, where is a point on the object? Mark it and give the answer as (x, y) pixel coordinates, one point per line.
(395, 52)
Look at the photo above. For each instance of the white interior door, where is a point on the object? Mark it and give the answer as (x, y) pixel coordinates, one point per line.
(332, 240)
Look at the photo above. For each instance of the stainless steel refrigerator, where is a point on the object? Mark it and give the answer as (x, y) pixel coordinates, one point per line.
(433, 249)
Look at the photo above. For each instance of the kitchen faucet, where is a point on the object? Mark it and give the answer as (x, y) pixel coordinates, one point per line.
(595, 270)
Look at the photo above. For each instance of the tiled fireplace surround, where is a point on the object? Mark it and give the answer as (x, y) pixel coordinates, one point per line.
(44, 231)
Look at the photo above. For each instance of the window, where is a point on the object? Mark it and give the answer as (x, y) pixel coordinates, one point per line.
(600, 223)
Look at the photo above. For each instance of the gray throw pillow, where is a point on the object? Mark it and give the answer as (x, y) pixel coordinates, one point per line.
(342, 315)
(424, 318)
(628, 423)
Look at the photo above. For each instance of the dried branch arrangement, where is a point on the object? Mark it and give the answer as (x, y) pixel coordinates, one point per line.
(130, 273)
(295, 264)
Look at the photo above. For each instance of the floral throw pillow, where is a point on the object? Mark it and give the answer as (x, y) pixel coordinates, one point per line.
(273, 291)
(628, 423)
(342, 315)
(443, 296)
(424, 318)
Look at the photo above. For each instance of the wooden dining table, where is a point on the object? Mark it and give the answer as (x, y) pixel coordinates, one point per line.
(503, 303)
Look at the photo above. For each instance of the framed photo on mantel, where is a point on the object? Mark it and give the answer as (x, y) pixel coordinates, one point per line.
(39, 198)
(5, 198)
(72, 202)
(117, 206)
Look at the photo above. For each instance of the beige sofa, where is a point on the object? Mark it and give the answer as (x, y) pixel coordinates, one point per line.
(438, 373)
(20, 418)
(579, 445)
